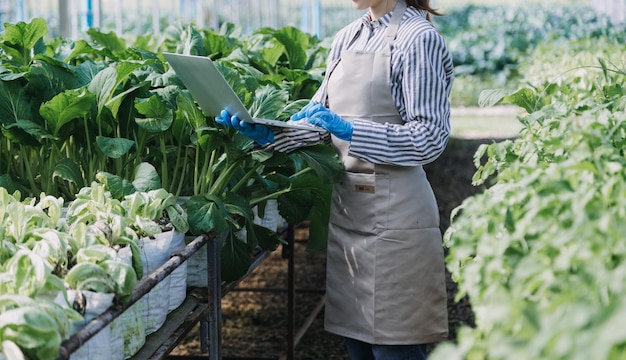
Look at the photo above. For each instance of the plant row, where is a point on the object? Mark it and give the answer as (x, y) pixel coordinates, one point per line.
(492, 40)
(541, 252)
(52, 250)
(72, 109)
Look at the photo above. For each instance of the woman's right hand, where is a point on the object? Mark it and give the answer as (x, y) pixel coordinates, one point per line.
(307, 111)
(261, 134)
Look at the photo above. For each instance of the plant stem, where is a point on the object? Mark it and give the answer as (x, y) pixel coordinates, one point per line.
(220, 183)
(301, 172)
(178, 171)
(29, 175)
(273, 195)
(164, 168)
(88, 141)
(205, 172)
(183, 172)
(245, 178)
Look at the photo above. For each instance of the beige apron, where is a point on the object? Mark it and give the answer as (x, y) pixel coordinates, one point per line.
(385, 271)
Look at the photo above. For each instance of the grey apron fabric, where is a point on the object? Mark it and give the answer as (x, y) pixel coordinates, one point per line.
(385, 271)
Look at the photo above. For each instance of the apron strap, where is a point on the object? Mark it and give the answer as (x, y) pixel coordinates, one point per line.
(394, 23)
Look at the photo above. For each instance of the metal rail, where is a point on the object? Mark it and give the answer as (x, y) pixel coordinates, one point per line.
(204, 308)
(143, 287)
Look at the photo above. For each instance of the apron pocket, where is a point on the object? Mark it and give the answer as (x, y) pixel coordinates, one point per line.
(411, 296)
(411, 203)
(358, 201)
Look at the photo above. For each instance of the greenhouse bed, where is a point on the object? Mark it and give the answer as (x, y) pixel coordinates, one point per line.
(200, 305)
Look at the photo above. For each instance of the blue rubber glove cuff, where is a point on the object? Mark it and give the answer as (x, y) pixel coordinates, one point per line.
(333, 123)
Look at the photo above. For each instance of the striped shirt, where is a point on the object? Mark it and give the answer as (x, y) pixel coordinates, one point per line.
(421, 80)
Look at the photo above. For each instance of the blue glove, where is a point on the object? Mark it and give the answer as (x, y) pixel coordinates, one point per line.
(261, 134)
(332, 122)
(307, 111)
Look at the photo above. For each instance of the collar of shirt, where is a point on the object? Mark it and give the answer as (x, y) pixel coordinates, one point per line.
(375, 24)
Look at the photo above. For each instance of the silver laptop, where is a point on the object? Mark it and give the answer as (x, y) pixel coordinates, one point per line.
(213, 93)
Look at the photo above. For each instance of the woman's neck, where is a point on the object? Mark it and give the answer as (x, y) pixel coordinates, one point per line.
(383, 7)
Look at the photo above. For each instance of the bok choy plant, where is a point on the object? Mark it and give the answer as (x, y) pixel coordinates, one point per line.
(33, 329)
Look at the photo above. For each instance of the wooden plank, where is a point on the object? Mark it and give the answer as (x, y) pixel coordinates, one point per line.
(178, 324)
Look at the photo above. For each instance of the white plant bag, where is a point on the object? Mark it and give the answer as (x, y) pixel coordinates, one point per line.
(128, 331)
(271, 218)
(154, 253)
(178, 277)
(196, 266)
(99, 346)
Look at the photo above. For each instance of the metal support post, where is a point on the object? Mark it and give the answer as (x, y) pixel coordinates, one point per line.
(213, 328)
(291, 294)
(64, 19)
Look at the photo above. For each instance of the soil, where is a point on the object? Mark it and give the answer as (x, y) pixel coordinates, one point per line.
(254, 317)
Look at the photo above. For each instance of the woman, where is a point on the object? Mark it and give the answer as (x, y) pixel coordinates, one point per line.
(385, 103)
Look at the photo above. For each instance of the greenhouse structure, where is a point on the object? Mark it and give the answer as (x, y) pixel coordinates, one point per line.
(320, 17)
(71, 17)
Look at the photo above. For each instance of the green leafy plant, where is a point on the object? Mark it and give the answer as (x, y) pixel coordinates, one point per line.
(98, 270)
(540, 252)
(97, 110)
(33, 329)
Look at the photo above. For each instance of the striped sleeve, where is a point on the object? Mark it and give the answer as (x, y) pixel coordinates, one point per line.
(421, 90)
(287, 140)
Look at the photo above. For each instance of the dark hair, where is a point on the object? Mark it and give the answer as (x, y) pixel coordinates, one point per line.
(424, 5)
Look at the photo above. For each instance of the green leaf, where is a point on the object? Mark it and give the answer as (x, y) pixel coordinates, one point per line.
(323, 160)
(26, 132)
(14, 104)
(269, 102)
(526, 98)
(68, 170)
(20, 39)
(272, 54)
(188, 111)
(295, 206)
(90, 276)
(8, 183)
(33, 330)
(108, 40)
(266, 238)
(236, 258)
(65, 107)
(320, 212)
(295, 42)
(103, 85)
(118, 186)
(206, 214)
(219, 46)
(491, 97)
(158, 117)
(178, 217)
(146, 177)
(114, 147)
(28, 271)
(124, 276)
(191, 42)
(237, 205)
(86, 71)
(49, 77)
